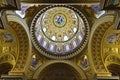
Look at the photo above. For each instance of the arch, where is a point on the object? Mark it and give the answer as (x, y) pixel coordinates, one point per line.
(7, 58)
(114, 69)
(5, 70)
(112, 62)
(24, 48)
(7, 63)
(112, 59)
(95, 54)
(77, 69)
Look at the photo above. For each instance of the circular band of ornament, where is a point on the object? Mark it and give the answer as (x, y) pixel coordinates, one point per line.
(59, 31)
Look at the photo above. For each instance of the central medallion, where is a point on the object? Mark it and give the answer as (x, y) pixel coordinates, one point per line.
(59, 24)
(59, 20)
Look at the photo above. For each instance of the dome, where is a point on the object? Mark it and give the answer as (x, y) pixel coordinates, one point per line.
(59, 30)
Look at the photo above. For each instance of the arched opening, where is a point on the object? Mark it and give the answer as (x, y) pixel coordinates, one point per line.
(114, 69)
(5, 68)
(58, 71)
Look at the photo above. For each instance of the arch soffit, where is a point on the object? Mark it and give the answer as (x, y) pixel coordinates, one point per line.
(52, 62)
(12, 17)
(95, 56)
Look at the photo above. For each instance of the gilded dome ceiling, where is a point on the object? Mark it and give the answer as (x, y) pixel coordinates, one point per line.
(59, 30)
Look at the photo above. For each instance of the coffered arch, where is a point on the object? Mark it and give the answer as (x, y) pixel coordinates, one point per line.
(24, 44)
(79, 72)
(95, 44)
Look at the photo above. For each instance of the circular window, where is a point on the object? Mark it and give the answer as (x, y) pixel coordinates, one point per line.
(59, 31)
